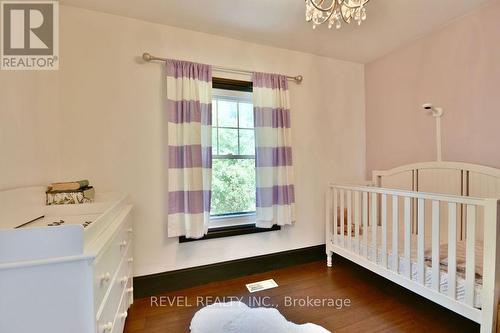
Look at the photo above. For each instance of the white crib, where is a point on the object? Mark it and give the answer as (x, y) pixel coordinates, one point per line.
(434, 232)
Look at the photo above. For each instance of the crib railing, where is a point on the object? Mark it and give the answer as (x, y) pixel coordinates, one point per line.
(364, 224)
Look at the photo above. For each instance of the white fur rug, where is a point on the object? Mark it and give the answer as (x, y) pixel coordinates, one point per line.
(237, 317)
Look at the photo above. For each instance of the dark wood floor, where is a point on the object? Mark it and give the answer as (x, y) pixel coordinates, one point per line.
(377, 305)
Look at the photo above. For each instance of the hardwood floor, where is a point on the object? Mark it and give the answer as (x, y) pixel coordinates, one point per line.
(376, 305)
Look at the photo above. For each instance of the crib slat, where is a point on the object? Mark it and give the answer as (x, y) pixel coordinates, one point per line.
(342, 218)
(365, 224)
(335, 215)
(407, 231)
(383, 212)
(421, 240)
(452, 249)
(357, 198)
(395, 233)
(349, 219)
(435, 246)
(470, 264)
(373, 222)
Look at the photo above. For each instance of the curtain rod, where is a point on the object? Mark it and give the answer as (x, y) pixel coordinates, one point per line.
(148, 57)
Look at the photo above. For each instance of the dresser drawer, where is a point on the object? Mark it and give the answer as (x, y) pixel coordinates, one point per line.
(113, 302)
(122, 313)
(130, 287)
(128, 228)
(107, 262)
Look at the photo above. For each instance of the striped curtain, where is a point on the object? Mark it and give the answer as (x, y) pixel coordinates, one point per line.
(273, 152)
(189, 98)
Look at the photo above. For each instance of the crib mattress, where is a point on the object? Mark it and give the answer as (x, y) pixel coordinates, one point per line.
(460, 283)
(443, 250)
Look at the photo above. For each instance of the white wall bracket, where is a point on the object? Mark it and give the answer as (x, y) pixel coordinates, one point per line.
(437, 113)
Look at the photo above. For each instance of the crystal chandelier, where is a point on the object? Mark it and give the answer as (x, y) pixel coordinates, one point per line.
(335, 11)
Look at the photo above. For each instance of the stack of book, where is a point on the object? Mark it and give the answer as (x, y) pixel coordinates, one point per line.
(69, 193)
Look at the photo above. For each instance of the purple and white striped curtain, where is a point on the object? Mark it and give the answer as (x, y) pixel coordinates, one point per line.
(189, 98)
(273, 151)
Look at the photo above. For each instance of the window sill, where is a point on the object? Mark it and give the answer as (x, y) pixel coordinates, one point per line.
(232, 220)
(229, 231)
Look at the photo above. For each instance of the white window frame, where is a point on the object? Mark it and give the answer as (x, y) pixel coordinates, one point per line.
(237, 218)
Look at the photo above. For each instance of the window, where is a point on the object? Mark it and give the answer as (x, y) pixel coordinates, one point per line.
(233, 149)
(233, 162)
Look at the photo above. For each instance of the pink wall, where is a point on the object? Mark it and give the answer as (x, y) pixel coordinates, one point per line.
(456, 67)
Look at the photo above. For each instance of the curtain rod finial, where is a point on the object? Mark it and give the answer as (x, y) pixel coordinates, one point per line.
(147, 57)
(299, 78)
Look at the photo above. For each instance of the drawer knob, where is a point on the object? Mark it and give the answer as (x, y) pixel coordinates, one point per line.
(123, 315)
(130, 290)
(123, 244)
(130, 260)
(107, 327)
(124, 280)
(105, 278)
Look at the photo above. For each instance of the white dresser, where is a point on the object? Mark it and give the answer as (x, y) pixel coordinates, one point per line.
(69, 271)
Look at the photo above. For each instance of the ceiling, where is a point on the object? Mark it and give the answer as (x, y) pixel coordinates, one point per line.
(280, 23)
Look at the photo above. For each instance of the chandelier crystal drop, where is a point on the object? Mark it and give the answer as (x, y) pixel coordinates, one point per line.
(335, 12)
